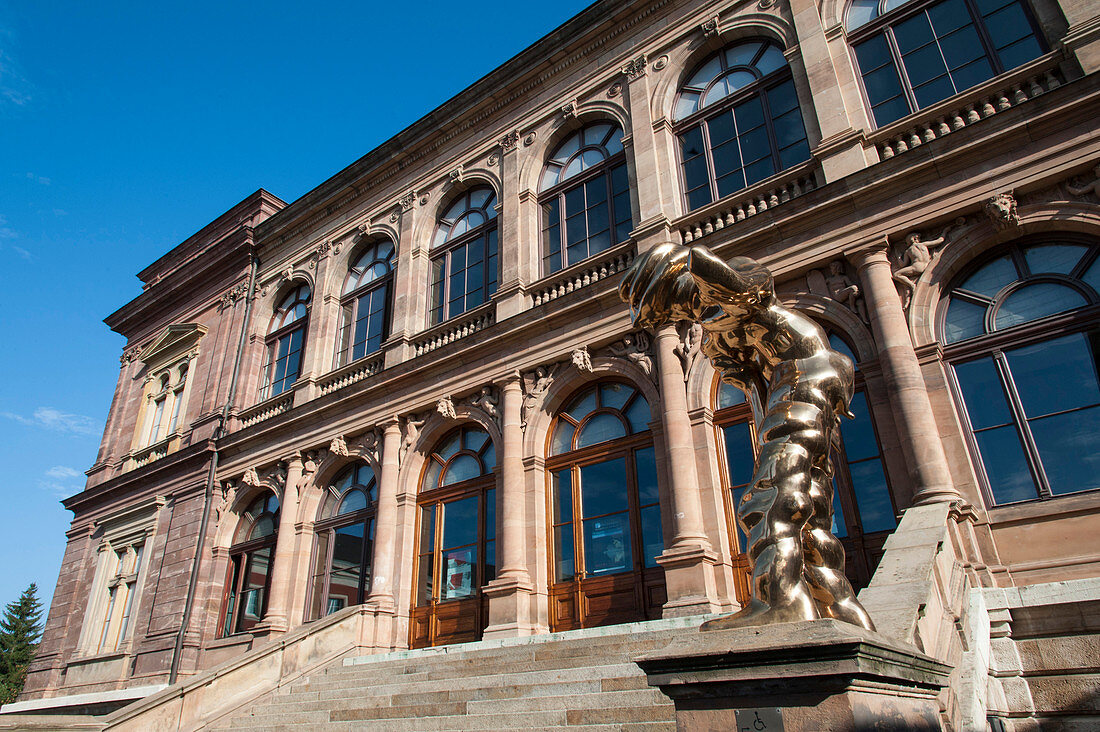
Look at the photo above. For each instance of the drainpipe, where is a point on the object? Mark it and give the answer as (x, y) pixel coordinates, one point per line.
(193, 582)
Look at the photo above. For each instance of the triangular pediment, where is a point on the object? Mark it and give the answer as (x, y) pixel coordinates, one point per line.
(171, 344)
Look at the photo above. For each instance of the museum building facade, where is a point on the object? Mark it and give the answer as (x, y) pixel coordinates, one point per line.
(416, 391)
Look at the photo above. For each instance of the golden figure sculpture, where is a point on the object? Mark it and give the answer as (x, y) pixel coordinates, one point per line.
(798, 387)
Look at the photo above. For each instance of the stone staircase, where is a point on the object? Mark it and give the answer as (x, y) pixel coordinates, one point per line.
(579, 680)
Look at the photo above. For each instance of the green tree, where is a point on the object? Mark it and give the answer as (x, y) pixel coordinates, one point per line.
(20, 630)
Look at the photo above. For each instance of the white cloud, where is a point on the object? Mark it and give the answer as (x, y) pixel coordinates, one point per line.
(61, 480)
(56, 420)
(14, 87)
(38, 179)
(21, 252)
(6, 232)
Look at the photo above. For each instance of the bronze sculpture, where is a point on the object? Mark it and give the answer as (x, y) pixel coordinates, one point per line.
(798, 386)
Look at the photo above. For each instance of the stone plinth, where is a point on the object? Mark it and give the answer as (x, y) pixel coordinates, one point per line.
(820, 675)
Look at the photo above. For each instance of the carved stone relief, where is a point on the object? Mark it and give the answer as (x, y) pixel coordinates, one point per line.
(411, 435)
(635, 348)
(1086, 187)
(535, 385)
(446, 408)
(838, 285)
(1001, 210)
(338, 446)
(582, 359)
(687, 350)
(915, 254)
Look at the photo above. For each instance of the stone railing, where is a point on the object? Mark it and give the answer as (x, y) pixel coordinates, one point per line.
(584, 274)
(348, 375)
(454, 329)
(267, 409)
(145, 455)
(768, 194)
(1004, 92)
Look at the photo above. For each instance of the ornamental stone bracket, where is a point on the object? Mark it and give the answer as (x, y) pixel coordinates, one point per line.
(1001, 209)
(233, 295)
(635, 348)
(635, 68)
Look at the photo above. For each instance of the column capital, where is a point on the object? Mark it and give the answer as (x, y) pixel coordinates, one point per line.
(870, 252)
(393, 422)
(293, 460)
(511, 380)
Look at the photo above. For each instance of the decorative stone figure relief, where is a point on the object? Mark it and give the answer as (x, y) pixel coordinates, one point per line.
(446, 407)
(838, 286)
(338, 446)
(228, 490)
(487, 402)
(412, 435)
(309, 468)
(1001, 210)
(783, 359)
(368, 445)
(634, 348)
(916, 255)
(582, 360)
(1086, 188)
(535, 385)
(687, 350)
(251, 478)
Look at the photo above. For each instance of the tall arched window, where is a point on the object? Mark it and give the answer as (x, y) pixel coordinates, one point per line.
(286, 342)
(365, 303)
(738, 121)
(250, 557)
(456, 547)
(863, 508)
(585, 197)
(464, 255)
(912, 54)
(345, 540)
(1019, 329)
(606, 514)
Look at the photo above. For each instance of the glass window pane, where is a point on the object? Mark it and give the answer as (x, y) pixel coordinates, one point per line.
(602, 487)
(563, 553)
(1069, 446)
(607, 548)
(264, 526)
(562, 487)
(859, 434)
(347, 555)
(614, 395)
(563, 438)
(601, 428)
(876, 512)
(913, 33)
(645, 471)
(652, 541)
(963, 320)
(447, 450)
(1005, 465)
(1056, 375)
(1057, 258)
(463, 467)
(355, 500)
(729, 395)
(983, 394)
(771, 60)
(459, 569)
(739, 452)
(582, 405)
(460, 522)
(1036, 301)
(638, 415)
(992, 277)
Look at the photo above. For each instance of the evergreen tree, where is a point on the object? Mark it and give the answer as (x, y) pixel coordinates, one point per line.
(20, 630)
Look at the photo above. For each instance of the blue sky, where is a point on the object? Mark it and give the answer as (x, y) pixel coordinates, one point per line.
(125, 128)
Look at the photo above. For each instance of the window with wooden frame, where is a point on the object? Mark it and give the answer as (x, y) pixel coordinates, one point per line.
(585, 197)
(911, 55)
(456, 545)
(250, 558)
(345, 542)
(365, 303)
(863, 510)
(1019, 328)
(464, 255)
(286, 342)
(605, 510)
(738, 121)
(121, 589)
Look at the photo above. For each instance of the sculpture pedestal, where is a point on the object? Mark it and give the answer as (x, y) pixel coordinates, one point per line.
(797, 677)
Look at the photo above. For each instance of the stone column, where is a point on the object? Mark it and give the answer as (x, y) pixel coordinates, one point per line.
(841, 149)
(281, 566)
(510, 296)
(410, 285)
(690, 559)
(649, 178)
(905, 385)
(385, 532)
(510, 594)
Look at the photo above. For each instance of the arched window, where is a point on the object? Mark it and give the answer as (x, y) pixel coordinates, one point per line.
(345, 541)
(912, 54)
(1019, 329)
(456, 548)
(286, 342)
(585, 197)
(365, 304)
(464, 255)
(250, 558)
(606, 514)
(738, 121)
(863, 508)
